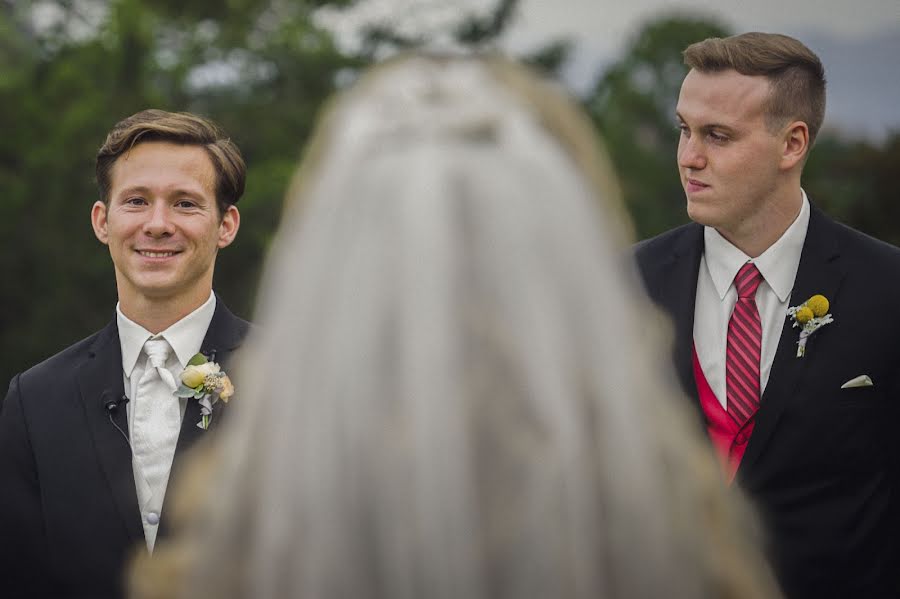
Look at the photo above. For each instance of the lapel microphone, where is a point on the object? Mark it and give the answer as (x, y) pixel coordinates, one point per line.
(111, 404)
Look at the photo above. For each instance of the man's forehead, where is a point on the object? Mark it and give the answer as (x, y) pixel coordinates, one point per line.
(151, 163)
(165, 152)
(723, 95)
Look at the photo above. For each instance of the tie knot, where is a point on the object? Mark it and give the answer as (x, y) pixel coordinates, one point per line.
(747, 280)
(158, 351)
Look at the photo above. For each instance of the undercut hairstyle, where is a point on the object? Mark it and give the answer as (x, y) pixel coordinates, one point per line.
(180, 128)
(795, 73)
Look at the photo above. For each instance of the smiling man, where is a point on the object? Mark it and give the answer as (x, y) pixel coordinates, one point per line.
(88, 438)
(785, 334)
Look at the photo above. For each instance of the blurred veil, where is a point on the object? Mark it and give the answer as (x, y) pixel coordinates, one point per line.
(457, 390)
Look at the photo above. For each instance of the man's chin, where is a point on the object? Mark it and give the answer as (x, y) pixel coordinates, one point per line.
(700, 213)
(161, 289)
(173, 290)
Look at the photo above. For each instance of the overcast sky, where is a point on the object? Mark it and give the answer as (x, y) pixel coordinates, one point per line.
(607, 25)
(858, 40)
(603, 29)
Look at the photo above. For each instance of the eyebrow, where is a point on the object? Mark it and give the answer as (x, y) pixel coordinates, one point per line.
(134, 189)
(143, 189)
(709, 126)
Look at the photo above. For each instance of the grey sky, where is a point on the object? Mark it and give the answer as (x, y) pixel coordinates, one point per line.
(858, 40)
(608, 24)
(603, 29)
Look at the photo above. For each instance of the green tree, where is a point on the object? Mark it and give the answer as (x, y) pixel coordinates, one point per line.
(633, 106)
(69, 69)
(856, 183)
(259, 67)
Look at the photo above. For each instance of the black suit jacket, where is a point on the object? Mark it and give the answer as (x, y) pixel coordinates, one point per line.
(69, 516)
(822, 463)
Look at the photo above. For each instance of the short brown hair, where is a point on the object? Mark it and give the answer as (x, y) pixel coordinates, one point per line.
(181, 128)
(795, 73)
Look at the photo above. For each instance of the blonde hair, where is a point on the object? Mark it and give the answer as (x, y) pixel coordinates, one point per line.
(457, 390)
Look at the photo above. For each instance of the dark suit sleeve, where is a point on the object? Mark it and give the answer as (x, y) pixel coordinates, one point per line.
(23, 550)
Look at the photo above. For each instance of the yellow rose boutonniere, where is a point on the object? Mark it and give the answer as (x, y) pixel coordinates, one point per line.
(205, 381)
(811, 315)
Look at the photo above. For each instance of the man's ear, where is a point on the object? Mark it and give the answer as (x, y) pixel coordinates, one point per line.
(796, 144)
(98, 221)
(228, 228)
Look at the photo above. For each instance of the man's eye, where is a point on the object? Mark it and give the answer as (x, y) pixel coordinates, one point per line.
(137, 201)
(186, 204)
(718, 137)
(683, 129)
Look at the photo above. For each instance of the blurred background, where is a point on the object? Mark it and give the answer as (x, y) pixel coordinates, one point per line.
(70, 69)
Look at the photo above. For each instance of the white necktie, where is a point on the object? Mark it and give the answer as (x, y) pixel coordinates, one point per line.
(156, 415)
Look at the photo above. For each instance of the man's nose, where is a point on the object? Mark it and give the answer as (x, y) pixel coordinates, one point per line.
(159, 220)
(691, 154)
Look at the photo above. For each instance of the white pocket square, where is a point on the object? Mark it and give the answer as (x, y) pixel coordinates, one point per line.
(862, 380)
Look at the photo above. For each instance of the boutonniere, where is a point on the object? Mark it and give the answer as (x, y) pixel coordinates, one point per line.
(811, 315)
(205, 381)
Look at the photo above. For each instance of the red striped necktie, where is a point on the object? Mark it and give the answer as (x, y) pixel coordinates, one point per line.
(744, 348)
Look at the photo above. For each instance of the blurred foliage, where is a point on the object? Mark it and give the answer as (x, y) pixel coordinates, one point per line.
(70, 69)
(472, 30)
(633, 106)
(856, 183)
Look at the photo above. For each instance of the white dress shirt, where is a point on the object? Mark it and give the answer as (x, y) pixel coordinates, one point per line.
(185, 337)
(716, 296)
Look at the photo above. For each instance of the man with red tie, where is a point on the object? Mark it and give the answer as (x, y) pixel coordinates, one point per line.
(785, 334)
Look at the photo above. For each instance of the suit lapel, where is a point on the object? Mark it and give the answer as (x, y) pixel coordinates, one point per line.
(683, 291)
(225, 334)
(820, 271)
(671, 280)
(100, 378)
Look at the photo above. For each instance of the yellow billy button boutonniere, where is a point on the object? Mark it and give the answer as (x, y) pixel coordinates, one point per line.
(811, 315)
(204, 381)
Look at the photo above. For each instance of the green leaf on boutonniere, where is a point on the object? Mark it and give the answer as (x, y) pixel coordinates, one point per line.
(185, 391)
(197, 360)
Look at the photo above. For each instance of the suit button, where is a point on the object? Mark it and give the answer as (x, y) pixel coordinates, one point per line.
(153, 518)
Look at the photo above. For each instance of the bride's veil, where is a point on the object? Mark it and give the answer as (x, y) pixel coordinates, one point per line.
(456, 389)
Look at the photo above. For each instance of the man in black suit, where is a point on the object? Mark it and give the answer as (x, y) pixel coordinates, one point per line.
(88, 437)
(804, 427)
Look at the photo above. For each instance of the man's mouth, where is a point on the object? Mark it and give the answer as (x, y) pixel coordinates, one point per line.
(695, 185)
(151, 254)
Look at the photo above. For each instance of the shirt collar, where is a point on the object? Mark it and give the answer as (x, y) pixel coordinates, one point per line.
(778, 264)
(185, 336)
